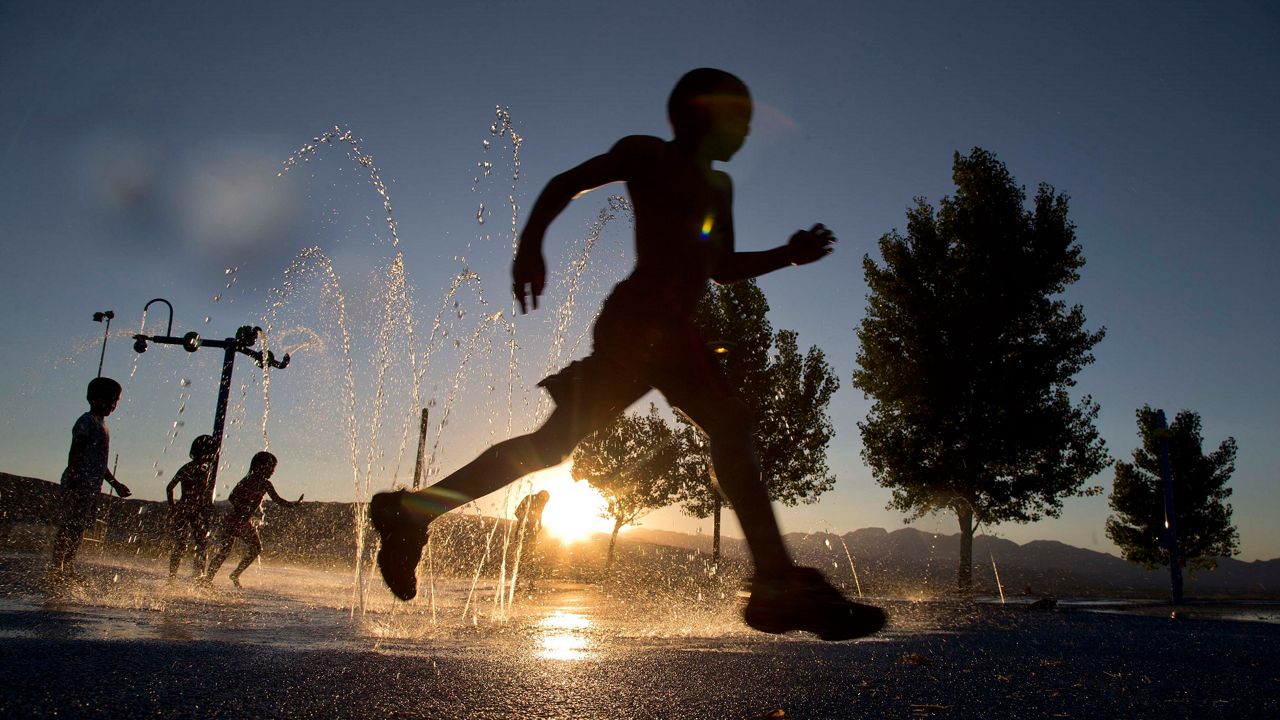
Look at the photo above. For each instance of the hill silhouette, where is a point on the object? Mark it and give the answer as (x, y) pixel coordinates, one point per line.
(903, 562)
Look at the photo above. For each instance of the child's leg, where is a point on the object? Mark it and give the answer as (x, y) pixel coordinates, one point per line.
(200, 528)
(251, 553)
(401, 518)
(179, 537)
(228, 539)
(728, 424)
(510, 460)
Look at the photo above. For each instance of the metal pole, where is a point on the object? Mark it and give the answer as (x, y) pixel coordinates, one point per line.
(220, 414)
(1170, 516)
(99, 317)
(103, 355)
(422, 449)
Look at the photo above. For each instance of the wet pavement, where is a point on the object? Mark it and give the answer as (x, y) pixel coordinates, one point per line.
(130, 644)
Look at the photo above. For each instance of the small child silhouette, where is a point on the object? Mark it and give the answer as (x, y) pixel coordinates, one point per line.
(246, 497)
(86, 469)
(645, 338)
(192, 514)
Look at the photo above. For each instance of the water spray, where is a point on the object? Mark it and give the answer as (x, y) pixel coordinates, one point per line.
(245, 338)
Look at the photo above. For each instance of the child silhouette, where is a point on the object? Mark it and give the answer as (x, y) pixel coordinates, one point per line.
(644, 338)
(86, 469)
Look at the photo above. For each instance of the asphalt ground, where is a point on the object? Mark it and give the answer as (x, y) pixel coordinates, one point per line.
(128, 644)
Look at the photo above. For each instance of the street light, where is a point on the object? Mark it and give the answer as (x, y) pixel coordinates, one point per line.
(245, 338)
(106, 315)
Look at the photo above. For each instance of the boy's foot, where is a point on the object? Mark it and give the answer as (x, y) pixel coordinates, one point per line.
(403, 531)
(235, 580)
(804, 600)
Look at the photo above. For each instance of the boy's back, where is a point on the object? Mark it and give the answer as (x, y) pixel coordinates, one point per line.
(87, 464)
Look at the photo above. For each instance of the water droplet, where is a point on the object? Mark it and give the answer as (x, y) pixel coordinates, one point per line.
(486, 144)
(480, 214)
(184, 382)
(217, 297)
(207, 318)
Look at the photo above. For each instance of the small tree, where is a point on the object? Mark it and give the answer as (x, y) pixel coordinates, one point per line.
(968, 351)
(632, 462)
(788, 394)
(1202, 515)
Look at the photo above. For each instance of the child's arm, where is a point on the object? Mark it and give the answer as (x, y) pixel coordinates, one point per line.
(804, 247)
(121, 489)
(168, 489)
(529, 272)
(271, 490)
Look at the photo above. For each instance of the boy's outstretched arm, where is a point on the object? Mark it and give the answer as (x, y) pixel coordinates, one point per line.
(529, 271)
(804, 247)
(275, 497)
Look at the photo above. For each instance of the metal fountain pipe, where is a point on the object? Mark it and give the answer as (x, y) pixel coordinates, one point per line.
(169, 329)
(246, 337)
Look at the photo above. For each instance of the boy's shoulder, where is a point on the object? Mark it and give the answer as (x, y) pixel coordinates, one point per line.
(86, 424)
(638, 145)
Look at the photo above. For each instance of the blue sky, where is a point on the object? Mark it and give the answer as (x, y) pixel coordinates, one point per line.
(139, 146)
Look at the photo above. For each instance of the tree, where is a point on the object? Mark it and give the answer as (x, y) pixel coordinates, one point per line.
(632, 462)
(787, 393)
(1202, 515)
(968, 352)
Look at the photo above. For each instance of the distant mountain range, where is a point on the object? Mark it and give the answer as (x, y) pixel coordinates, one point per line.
(910, 560)
(902, 562)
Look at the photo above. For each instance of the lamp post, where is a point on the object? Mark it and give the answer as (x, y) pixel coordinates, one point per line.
(245, 338)
(720, 349)
(106, 315)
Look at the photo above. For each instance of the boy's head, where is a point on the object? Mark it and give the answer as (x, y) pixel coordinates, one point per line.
(711, 106)
(103, 394)
(203, 447)
(263, 463)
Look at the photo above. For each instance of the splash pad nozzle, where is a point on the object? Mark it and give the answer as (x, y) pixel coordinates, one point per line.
(245, 338)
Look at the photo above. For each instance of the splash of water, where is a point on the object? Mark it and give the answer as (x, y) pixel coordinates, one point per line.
(341, 134)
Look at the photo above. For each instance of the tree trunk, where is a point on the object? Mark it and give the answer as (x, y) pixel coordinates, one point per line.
(715, 536)
(964, 574)
(613, 540)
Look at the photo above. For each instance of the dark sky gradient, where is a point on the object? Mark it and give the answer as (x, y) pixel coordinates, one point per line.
(139, 145)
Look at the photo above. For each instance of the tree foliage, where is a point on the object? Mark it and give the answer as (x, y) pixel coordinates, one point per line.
(633, 463)
(968, 352)
(1202, 514)
(788, 393)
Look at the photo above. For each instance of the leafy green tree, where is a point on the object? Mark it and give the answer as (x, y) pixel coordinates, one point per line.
(788, 393)
(968, 352)
(1202, 514)
(633, 463)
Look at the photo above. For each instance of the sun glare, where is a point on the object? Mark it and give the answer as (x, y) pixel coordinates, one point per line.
(574, 509)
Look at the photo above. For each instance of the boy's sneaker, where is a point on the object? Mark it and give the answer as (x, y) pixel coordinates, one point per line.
(804, 600)
(403, 530)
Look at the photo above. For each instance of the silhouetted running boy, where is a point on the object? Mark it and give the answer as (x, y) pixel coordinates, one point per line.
(86, 469)
(645, 338)
(246, 498)
(192, 514)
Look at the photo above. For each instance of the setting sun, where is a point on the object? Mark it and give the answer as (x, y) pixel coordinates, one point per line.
(574, 510)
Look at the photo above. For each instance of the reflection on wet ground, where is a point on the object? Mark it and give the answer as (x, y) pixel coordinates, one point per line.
(289, 645)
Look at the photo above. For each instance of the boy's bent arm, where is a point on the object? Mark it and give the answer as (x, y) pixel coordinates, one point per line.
(804, 247)
(529, 271)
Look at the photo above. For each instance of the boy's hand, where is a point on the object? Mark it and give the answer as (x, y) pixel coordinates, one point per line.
(811, 245)
(122, 490)
(528, 275)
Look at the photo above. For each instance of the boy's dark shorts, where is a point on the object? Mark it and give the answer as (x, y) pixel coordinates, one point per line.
(635, 349)
(79, 507)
